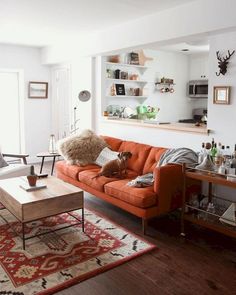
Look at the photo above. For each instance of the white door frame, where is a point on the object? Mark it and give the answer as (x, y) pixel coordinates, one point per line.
(21, 107)
(53, 116)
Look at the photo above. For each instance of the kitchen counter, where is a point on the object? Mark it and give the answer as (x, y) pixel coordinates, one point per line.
(182, 127)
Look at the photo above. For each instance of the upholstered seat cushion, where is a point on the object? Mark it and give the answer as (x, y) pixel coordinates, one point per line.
(14, 170)
(73, 170)
(139, 197)
(88, 177)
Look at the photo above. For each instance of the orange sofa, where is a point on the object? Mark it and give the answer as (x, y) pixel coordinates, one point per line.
(163, 197)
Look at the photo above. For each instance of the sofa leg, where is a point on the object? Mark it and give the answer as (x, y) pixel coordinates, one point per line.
(144, 225)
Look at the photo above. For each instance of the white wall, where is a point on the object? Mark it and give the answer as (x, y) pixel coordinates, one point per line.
(176, 105)
(37, 119)
(81, 79)
(222, 118)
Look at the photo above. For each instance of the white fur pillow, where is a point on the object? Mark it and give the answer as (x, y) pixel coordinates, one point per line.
(81, 149)
(105, 156)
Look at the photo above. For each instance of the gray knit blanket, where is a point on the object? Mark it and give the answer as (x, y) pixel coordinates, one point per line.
(142, 181)
(179, 156)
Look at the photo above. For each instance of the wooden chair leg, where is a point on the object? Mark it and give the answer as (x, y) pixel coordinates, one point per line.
(144, 225)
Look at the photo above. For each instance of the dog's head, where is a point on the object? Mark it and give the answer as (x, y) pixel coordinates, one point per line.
(124, 155)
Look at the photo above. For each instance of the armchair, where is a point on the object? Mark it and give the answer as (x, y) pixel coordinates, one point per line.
(15, 169)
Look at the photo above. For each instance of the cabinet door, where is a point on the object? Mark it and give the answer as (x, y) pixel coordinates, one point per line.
(199, 67)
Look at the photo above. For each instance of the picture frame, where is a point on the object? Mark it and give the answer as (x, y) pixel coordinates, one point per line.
(221, 95)
(38, 89)
(133, 58)
(120, 89)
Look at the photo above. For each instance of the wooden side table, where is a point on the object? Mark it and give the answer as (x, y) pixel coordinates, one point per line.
(44, 155)
(201, 216)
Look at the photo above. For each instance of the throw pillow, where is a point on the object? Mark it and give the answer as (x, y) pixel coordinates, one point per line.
(81, 149)
(105, 156)
(3, 163)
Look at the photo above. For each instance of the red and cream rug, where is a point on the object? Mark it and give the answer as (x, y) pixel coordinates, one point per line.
(57, 260)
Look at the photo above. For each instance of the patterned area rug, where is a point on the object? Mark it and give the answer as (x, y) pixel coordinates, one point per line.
(57, 260)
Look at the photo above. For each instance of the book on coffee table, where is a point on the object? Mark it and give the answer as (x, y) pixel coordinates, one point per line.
(29, 188)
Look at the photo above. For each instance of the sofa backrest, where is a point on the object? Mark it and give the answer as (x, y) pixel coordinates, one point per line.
(113, 142)
(152, 159)
(139, 154)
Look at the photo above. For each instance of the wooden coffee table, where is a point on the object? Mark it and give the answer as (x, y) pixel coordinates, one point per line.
(59, 197)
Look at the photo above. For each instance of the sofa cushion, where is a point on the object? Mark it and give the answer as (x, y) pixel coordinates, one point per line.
(113, 142)
(14, 170)
(98, 183)
(152, 159)
(139, 197)
(139, 155)
(73, 170)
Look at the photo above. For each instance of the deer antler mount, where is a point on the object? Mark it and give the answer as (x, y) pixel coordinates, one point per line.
(223, 62)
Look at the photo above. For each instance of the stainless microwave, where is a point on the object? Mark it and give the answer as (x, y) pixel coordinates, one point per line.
(198, 89)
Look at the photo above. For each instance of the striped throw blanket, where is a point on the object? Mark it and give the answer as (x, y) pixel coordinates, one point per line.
(179, 156)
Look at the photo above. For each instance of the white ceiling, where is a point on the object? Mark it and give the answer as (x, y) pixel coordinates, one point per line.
(200, 46)
(44, 22)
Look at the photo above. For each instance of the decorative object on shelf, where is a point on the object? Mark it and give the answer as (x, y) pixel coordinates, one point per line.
(221, 94)
(143, 58)
(109, 73)
(166, 85)
(52, 144)
(128, 112)
(114, 58)
(147, 112)
(137, 91)
(32, 178)
(229, 215)
(124, 75)
(113, 90)
(166, 81)
(120, 89)
(131, 92)
(105, 113)
(117, 74)
(167, 89)
(38, 89)
(223, 62)
(134, 77)
(113, 109)
(145, 91)
(133, 58)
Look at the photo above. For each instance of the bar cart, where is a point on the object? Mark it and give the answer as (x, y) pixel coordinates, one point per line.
(223, 216)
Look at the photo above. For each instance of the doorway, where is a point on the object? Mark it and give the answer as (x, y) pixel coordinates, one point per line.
(11, 111)
(61, 101)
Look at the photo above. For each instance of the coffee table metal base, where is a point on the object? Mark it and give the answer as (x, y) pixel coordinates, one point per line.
(24, 238)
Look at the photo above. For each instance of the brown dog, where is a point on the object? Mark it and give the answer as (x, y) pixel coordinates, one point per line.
(115, 167)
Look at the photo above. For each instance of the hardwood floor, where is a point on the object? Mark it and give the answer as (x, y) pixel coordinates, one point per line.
(202, 263)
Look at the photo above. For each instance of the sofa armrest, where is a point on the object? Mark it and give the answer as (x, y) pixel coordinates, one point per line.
(168, 184)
